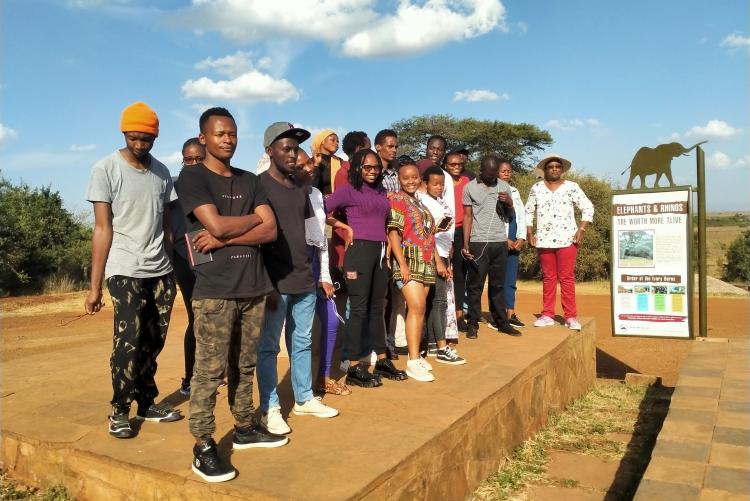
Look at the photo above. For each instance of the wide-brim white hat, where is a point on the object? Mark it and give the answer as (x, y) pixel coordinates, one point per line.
(539, 169)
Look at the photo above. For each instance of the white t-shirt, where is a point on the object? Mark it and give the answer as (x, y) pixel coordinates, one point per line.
(439, 209)
(138, 199)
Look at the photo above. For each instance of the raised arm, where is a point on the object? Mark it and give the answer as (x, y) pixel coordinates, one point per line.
(101, 242)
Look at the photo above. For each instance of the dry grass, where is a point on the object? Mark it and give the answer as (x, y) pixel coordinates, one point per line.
(584, 427)
(9, 489)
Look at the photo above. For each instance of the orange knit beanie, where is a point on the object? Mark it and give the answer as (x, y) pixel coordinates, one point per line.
(139, 117)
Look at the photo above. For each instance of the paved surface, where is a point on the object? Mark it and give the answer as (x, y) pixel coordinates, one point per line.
(703, 449)
(405, 440)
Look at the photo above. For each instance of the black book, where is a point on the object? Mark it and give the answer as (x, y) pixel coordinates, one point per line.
(196, 257)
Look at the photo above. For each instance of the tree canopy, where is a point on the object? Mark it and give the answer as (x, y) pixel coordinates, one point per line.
(517, 142)
(39, 238)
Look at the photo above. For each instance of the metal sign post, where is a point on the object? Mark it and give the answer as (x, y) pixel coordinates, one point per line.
(702, 286)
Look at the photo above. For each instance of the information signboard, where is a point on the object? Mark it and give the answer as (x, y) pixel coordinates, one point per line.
(651, 278)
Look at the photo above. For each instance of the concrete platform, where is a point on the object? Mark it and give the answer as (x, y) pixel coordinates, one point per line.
(404, 440)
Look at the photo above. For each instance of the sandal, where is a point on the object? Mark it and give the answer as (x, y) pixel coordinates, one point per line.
(332, 387)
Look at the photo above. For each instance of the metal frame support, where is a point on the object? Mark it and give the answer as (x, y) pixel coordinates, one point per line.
(702, 271)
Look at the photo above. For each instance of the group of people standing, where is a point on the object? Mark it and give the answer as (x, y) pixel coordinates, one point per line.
(390, 247)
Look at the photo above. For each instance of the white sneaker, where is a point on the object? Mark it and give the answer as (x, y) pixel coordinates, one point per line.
(427, 365)
(373, 358)
(573, 324)
(273, 422)
(415, 370)
(543, 321)
(314, 407)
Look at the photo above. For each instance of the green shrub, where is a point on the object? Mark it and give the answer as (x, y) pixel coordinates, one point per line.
(737, 260)
(39, 238)
(593, 261)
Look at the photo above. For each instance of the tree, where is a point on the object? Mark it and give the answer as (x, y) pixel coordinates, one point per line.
(737, 260)
(517, 142)
(39, 238)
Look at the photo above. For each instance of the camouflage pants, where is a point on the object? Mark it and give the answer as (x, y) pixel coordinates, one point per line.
(142, 307)
(220, 347)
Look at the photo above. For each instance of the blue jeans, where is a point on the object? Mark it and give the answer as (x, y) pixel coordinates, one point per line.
(298, 310)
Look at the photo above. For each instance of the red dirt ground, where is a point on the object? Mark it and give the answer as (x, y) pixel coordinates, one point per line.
(43, 324)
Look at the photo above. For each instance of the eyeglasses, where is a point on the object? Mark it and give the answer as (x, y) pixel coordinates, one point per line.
(192, 160)
(370, 167)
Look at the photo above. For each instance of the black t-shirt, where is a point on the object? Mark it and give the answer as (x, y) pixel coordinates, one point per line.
(287, 259)
(237, 271)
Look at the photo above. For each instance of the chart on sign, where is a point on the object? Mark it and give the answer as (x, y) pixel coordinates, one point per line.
(650, 268)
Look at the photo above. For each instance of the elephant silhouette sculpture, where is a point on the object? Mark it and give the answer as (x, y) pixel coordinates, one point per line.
(657, 161)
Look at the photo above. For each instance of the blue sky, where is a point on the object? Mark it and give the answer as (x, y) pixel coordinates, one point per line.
(603, 77)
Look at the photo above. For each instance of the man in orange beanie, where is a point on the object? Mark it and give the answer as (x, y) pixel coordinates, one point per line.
(131, 244)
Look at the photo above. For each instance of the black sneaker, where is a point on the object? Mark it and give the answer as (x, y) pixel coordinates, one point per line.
(185, 387)
(492, 325)
(358, 375)
(472, 331)
(448, 356)
(208, 465)
(510, 330)
(386, 369)
(119, 426)
(432, 350)
(255, 437)
(516, 322)
(461, 324)
(158, 413)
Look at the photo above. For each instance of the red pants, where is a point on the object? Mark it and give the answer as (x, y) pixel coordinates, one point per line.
(559, 264)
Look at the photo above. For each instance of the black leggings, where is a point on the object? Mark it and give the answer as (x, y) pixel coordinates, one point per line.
(366, 278)
(459, 269)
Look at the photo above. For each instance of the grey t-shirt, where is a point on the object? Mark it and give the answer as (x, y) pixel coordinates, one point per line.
(138, 199)
(488, 222)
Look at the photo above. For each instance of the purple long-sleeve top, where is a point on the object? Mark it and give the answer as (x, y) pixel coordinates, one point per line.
(366, 210)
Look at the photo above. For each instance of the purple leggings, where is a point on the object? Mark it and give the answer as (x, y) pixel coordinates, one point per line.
(329, 321)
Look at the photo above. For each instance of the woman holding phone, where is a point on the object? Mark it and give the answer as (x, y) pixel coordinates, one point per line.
(438, 313)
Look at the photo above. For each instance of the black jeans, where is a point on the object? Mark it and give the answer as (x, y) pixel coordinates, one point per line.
(366, 278)
(437, 305)
(460, 269)
(186, 280)
(142, 308)
(491, 260)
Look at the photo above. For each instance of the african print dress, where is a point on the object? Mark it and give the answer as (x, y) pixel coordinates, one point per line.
(416, 226)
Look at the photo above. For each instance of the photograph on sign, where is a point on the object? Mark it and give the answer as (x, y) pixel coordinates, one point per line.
(651, 263)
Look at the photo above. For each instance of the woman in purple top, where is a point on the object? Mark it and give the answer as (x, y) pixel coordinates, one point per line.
(366, 207)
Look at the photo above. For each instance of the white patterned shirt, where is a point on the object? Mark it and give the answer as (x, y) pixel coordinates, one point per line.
(555, 219)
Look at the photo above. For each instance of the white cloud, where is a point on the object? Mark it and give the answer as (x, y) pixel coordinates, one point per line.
(476, 95)
(714, 129)
(702, 40)
(173, 159)
(6, 134)
(593, 125)
(247, 21)
(418, 28)
(718, 160)
(736, 41)
(743, 161)
(250, 87)
(353, 27)
(82, 147)
(672, 137)
(522, 27)
(231, 66)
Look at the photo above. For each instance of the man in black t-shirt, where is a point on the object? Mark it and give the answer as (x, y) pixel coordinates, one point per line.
(289, 264)
(228, 218)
